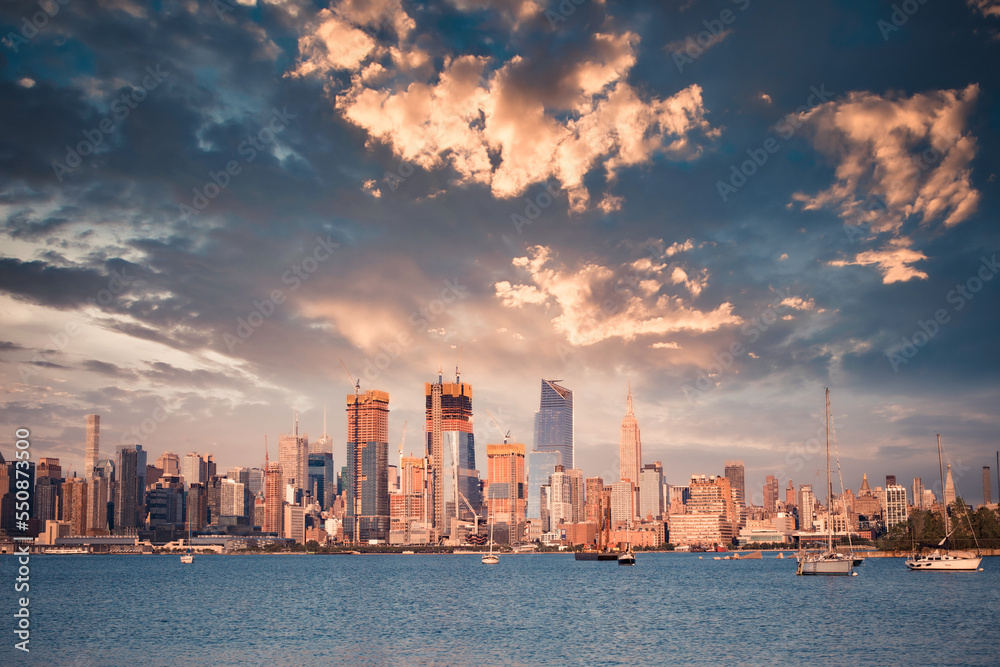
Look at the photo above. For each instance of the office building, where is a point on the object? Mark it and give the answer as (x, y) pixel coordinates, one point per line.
(322, 485)
(92, 450)
(450, 449)
(540, 466)
(622, 503)
(734, 472)
(630, 444)
(49, 467)
(987, 493)
(74, 493)
(293, 455)
(918, 493)
(505, 486)
(554, 422)
(295, 523)
(651, 500)
(97, 505)
(48, 494)
(367, 467)
(170, 464)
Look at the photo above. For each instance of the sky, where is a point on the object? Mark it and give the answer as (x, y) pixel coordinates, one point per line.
(210, 209)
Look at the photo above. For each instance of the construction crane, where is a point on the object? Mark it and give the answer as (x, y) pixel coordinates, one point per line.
(496, 422)
(401, 440)
(478, 517)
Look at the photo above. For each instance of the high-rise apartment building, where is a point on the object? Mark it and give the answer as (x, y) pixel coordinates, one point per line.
(595, 489)
(97, 505)
(451, 452)
(560, 497)
(807, 507)
(918, 493)
(505, 490)
(540, 466)
(367, 467)
(630, 445)
(93, 446)
(48, 495)
(232, 498)
(771, 494)
(894, 509)
(273, 500)
(890, 480)
(128, 492)
(734, 472)
(554, 422)
(651, 500)
(622, 503)
(74, 493)
(790, 496)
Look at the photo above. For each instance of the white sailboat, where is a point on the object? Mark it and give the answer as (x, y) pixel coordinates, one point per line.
(628, 556)
(491, 558)
(938, 560)
(829, 561)
(189, 556)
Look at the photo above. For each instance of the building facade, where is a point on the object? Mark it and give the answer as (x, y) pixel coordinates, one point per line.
(554, 422)
(367, 467)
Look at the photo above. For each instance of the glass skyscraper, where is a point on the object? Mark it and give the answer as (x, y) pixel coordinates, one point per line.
(554, 422)
(540, 466)
(321, 479)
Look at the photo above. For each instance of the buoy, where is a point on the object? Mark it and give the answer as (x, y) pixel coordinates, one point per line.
(699, 557)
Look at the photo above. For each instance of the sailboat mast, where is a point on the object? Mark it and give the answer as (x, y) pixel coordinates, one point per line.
(944, 500)
(829, 484)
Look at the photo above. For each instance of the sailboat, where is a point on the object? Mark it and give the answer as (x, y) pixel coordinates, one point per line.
(829, 561)
(491, 558)
(628, 556)
(189, 556)
(955, 561)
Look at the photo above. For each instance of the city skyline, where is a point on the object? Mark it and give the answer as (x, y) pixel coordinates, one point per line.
(729, 206)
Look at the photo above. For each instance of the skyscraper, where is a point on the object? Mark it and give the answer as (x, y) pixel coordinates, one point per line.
(505, 490)
(554, 422)
(807, 506)
(97, 506)
(450, 448)
(367, 466)
(918, 493)
(895, 505)
(651, 501)
(273, 501)
(630, 444)
(293, 455)
(771, 494)
(170, 464)
(949, 488)
(540, 466)
(93, 447)
(987, 493)
(322, 484)
(127, 493)
(74, 493)
(735, 475)
(193, 468)
(595, 489)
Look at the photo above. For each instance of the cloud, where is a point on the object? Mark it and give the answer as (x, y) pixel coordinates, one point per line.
(986, 7)
(798, 303)
(592, 305)
(665, 346)
(894, 261)
(898, 160)
(510, 123)
(693, 47)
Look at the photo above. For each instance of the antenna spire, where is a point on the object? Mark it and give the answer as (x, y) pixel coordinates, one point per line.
(628, 401)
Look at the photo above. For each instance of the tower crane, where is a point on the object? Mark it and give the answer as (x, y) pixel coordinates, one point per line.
(496, 422)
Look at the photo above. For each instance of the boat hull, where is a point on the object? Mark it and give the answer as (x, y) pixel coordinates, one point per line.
(592, 555)
(824, 566)
(490, 560)
(946, 562)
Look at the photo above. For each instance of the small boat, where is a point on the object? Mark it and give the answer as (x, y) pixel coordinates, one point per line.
(189, 556)
(627, 558)
(781, 554)
(491, 558)
(829, 561)
(955, 561)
